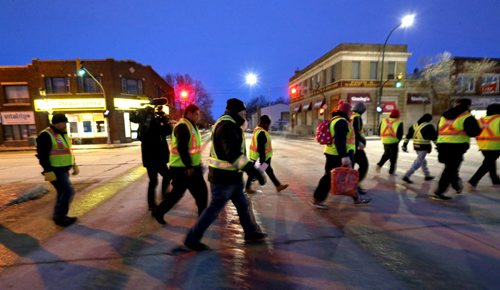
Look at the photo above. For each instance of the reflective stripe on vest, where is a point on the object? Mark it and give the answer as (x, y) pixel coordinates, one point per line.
(417, 134)
(388, 129)
(215, 162)
(350, 141)
(194, 146)
(60, 154)
(489, 139)
(452, 131)
(254, 153)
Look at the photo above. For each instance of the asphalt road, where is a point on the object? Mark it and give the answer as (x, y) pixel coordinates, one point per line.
(402, 240)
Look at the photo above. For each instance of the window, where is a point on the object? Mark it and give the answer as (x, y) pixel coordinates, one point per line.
(89, 85)
(373, 70)
(17, 94)
(465, 83)
(323, 78)
(489, 83)
(133, 87)
(56, 85)
(87, 126)
(334, 73)
(391, 70)
(18, 132)
(355, 72)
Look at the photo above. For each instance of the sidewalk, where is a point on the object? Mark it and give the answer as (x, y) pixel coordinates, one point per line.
(4, 148)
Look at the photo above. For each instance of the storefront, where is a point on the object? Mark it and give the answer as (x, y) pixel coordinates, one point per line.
(417, 104)
(18, 127)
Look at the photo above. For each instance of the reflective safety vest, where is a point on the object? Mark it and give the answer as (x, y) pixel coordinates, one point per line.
(452, 131)
(418, 139)
(60, 154)
(331, 149)
(489, 139)
(357, 115)
(389, 130)
(194, 146)
(254, 153)
(215, 162)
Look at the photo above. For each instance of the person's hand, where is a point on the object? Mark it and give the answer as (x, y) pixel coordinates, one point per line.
(346, 161)
(76, 170)
(361, 146)
(49, 176)
(260, 177)
(405, 148)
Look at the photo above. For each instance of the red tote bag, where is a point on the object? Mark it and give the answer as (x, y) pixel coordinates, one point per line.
(344, 181)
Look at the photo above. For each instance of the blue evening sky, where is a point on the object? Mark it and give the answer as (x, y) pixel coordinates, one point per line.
(219, 41)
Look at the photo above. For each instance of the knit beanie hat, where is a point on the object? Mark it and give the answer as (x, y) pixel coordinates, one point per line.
(59, 118)
(235, 105)
(344, 107)
(359, 108)
(394, 113)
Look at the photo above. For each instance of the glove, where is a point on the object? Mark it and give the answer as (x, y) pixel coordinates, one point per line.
(361, 146)
(260, 177)
(49, 176)
(346, 161)
(405, 148)
(76, 170)
(254, 173)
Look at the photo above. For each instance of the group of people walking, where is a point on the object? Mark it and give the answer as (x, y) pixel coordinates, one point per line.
(228, 159)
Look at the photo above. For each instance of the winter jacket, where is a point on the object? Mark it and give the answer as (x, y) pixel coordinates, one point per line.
(471, 128)
(428, 133)
(43, 148)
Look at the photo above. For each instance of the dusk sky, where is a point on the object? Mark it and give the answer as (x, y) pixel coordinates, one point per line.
(219, 41)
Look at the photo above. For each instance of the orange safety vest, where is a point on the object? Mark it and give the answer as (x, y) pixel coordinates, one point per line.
(452, 131)
(489, 139)
(388, 130)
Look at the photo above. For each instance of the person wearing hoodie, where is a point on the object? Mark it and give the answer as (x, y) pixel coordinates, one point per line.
(391, 131)
(359, 156)
(489, 144)
(340, 153)
(455, 128)
(261, 149)
(422, 133)
(185, 165)
(225, 173)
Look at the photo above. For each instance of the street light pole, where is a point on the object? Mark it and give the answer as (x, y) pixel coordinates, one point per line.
(407, 21)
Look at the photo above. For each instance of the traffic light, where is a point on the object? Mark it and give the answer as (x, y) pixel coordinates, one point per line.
(399, 81)
(80, 70)
(184, 95)
(294, 92)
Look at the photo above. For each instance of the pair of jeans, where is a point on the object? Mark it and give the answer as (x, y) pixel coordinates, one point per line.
(450, 175)
(489, 165)
(391, 154)
(153, 172)
(180, 183)
(269, 172)
(419, 162)
(65, 193)
(221, 194)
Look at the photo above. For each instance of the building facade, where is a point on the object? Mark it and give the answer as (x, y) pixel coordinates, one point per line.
(352, 73)
(98, 103)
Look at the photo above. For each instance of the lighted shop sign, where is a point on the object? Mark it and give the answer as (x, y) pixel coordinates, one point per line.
(129, 104)
(84, 104)
(18, 118)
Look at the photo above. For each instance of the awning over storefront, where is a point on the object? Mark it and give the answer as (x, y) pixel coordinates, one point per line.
(307, 106)
(297, 109)
(318, 104)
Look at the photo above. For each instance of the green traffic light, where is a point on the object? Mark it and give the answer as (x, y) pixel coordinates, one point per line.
(399, 84)
(81, 72)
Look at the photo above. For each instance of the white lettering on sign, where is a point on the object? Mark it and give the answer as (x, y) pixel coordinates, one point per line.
(70, 104)
(18, 118)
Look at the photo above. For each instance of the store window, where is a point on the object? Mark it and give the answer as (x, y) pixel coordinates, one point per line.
(373, 70)
(18, 132)
(309, 118)
(356, 72)
(56, 85)
(87, 125)
(17, 94)
(391, 70)
(489, 84)
(89, 85)
(133, 87)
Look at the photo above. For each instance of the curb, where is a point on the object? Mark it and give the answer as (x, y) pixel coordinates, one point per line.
(33, 193)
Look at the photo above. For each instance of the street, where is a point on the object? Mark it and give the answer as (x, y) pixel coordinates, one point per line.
(401, 240)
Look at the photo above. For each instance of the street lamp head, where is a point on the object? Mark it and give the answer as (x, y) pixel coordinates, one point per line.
(408, 20)
(251, 79)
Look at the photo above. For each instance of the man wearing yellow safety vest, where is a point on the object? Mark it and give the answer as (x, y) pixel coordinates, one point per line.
(262, 150)
(185, 164)
(225, 173)
(455, 128)
(489, 144)
(340, 153)
(422, 133)
(391, 131)
(56, 158)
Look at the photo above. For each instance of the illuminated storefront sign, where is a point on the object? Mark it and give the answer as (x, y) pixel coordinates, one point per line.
(82, 104)
(359, 98)
(418, 99)
(129, 104)
(18, 118)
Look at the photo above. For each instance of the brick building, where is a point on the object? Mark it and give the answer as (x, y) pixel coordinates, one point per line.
(29, 94)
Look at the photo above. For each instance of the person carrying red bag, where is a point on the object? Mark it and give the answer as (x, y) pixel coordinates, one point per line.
(339, 153)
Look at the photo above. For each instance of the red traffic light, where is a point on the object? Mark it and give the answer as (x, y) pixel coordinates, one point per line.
(294, 91)
(184, 94)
